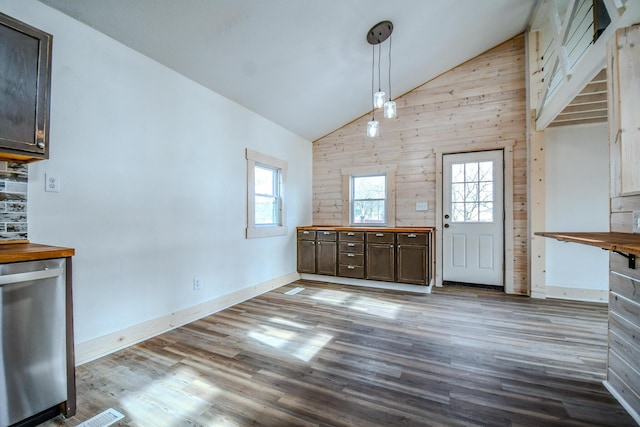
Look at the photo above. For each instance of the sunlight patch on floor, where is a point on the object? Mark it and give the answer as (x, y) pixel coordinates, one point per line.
(287, 322)
(182, 395)
(376, 307)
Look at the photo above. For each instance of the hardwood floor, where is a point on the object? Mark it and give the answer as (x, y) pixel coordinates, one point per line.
(336, 355)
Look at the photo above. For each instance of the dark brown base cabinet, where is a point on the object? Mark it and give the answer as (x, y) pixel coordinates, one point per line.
(351, 254)
(327, 253)
(307, 252)
(382, 255)
(412, 255)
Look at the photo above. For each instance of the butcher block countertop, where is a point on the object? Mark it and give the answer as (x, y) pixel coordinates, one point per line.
(622, 242)
(374, 229)
(18, 252)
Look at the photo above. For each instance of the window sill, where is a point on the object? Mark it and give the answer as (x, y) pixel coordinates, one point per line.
(258, 232)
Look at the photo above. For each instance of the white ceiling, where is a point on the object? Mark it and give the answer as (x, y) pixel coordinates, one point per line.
(303, 64)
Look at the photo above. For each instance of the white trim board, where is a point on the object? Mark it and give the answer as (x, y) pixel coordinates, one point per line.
(577, 294)
(392, 286)
(106, 344)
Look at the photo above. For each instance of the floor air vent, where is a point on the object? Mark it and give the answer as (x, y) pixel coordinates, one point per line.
(294, 291)
(103, 419)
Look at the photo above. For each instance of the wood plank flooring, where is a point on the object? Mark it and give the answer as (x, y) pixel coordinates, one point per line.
(336, 355)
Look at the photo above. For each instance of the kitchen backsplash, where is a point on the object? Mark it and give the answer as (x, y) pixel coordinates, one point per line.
(13, 201)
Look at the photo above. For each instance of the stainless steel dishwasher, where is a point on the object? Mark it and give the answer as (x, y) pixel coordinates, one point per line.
(33, 370)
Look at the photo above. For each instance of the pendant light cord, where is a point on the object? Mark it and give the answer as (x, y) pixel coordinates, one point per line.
(389, 67)
(379, 54)
(373, 67)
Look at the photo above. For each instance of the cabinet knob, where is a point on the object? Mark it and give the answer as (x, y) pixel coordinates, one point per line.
(40, 144)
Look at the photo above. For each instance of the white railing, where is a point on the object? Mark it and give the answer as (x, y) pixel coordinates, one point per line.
(567, 54)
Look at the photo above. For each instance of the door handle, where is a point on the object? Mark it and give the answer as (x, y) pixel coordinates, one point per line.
(446, 226)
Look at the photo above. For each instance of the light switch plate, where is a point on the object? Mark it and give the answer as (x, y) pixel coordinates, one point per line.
(51, 183)
(422, 206)
(636, 221)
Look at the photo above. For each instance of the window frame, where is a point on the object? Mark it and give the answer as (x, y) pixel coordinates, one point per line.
(390, 197)
(353, 200)
(279, 228)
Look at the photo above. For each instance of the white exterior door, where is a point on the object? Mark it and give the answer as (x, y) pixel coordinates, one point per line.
(473, 217)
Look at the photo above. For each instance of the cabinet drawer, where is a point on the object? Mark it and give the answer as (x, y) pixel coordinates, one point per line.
(374, 237)
(412, 238)
(353, 271)
(350, 258)
(351, 247)
(351, 236)
(306, 235)
(330, 236)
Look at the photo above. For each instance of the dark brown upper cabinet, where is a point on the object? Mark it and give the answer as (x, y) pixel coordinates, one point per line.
(25, 87)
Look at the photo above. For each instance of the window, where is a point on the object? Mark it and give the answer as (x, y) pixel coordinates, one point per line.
(472, 192)
(265, 195)
(368, 195)
(368, 199)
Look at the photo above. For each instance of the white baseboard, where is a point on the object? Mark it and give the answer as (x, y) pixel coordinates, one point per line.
(578, 294)
(421, 289)
(630, 409)
(106, 344)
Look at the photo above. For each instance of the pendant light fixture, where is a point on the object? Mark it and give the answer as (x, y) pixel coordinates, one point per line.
(376, 35)
(390, 106)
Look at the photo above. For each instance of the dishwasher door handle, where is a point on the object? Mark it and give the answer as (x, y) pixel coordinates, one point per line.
(30, 275)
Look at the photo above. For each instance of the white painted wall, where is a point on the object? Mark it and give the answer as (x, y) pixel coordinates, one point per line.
(153, 182)
(577, 199)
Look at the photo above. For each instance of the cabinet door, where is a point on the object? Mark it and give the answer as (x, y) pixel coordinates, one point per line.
(25, 58)
(380, 262)
(306, 256)
(327, 257)
(412, 264)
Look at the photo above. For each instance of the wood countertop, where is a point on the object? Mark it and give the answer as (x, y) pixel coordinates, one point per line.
(374, 229)
(18, 252)
(622, 242)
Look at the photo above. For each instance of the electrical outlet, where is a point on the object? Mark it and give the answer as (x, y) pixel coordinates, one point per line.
(197, 283)
(636, 221)
(422, 206)
(51, 183)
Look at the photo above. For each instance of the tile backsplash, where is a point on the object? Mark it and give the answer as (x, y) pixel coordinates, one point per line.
(13, 200)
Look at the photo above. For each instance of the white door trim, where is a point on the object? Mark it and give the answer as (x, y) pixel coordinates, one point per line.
(507, 147)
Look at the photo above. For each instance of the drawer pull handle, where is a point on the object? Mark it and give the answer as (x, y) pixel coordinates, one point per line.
(326, 233)
(305, 232)
(411, 236)
(351, 255)
(351, 244)
(351, 234)
(379, 234)
(351, 267)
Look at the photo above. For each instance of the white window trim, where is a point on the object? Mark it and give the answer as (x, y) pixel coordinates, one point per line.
(347, 173)
(253, 231)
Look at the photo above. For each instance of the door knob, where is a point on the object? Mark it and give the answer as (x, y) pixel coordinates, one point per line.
(446, 226)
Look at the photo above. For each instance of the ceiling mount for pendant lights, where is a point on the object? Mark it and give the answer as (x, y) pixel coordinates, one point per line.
(376, 36)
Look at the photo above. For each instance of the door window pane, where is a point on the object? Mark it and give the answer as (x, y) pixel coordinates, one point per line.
(472, 192)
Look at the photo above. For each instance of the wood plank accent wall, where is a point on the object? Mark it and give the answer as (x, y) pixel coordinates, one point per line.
(478, 102)
(623, 370)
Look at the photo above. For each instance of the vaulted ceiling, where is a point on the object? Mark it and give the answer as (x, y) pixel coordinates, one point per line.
(303, 64)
